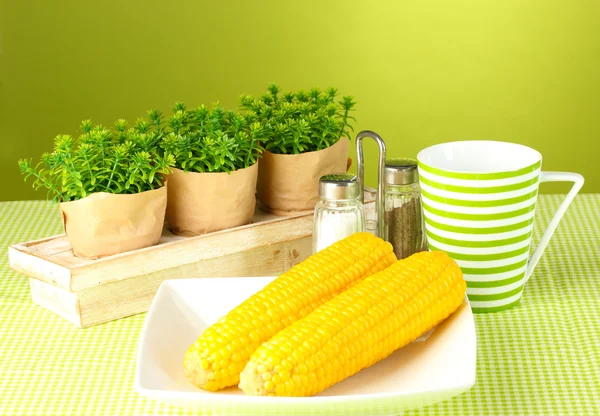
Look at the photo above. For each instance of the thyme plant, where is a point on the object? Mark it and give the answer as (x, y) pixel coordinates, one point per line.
(299, 122)
(123, 161)
(211, 139)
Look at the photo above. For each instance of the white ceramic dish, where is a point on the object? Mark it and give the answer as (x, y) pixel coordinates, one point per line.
(420, 374)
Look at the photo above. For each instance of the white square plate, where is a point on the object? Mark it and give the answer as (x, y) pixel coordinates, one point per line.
(420, 374)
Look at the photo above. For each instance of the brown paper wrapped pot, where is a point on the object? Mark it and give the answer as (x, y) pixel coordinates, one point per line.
(289, 184)
(201, 203)
(103, 224)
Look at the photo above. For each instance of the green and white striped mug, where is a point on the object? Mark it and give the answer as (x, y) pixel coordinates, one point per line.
(479, 201)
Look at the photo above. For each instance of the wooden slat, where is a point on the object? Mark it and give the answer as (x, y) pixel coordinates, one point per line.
(59, 301)
(132, 296)
(22, 260)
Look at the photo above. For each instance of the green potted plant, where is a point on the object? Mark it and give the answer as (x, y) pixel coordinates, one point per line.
(213, 184)
(305, 136)
(110, 186)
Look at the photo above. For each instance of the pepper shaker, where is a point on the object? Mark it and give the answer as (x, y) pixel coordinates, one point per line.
(339, 213)
(404, 226)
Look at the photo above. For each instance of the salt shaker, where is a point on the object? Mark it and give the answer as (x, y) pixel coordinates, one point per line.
(403, 225)
(339, 213)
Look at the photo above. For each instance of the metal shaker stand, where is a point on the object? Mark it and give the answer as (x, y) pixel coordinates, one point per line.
(361, 175)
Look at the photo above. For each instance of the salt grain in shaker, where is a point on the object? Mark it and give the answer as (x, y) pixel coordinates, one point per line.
(339, 213)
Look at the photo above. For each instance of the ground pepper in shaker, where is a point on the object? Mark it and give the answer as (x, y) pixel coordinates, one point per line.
(339, 213)
(403, 225)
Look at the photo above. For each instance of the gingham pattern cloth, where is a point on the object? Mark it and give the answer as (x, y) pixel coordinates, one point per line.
(540, 358)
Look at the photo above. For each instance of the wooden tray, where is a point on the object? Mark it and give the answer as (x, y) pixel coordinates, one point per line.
(91, 292)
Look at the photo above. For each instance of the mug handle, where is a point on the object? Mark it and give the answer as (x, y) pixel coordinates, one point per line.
(577, 180)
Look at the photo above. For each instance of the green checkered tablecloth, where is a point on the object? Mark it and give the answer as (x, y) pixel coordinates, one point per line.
(542, 357)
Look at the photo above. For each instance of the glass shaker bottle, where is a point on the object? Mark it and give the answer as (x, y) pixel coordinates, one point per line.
(403, 225)
(339, 213)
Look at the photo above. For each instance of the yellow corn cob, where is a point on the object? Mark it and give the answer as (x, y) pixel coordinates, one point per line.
(216, 359)
(357, 328)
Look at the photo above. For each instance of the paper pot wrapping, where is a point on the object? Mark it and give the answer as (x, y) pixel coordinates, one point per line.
(103, 224)
(289, 184)
(200, 203)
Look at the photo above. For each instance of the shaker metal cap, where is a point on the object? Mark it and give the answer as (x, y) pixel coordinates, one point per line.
(401, 171)
(338, 187)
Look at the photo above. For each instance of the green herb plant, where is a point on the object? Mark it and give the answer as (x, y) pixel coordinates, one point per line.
(299, 122)
(120, 161)
(211, 139)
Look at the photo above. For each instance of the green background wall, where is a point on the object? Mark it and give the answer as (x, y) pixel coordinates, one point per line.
(423, 72)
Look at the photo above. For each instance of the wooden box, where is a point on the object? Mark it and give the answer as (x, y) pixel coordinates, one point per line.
(91, 292)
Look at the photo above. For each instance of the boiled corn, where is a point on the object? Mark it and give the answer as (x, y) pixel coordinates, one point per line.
(216, 359)
(357, 328)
